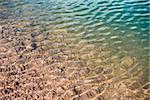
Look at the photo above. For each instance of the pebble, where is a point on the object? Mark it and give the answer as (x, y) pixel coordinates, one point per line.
(33, 45)
(17, 30)
(33, 34)
(146, 86)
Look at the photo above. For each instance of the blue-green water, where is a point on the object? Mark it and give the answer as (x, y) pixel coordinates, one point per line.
(121, 26)
(97, 17)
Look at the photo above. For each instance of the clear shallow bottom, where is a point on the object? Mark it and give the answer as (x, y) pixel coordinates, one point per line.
(109, 38)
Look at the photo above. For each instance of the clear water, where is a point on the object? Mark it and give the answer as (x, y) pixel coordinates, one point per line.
(120, 28)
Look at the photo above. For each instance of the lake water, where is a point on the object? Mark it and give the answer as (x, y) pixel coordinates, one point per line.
(109, 33)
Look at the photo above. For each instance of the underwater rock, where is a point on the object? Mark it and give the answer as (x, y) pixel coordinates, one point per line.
(34, 46)
(146, 86)
(17, 31)
(33, 34)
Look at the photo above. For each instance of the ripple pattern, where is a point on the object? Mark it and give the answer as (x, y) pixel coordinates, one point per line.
(74, 50)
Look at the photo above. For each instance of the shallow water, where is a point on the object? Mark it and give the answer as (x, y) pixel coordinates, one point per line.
(109, 33)
(114, 24)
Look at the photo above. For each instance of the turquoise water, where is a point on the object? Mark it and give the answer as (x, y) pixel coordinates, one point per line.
(97, 17)
(121, 26)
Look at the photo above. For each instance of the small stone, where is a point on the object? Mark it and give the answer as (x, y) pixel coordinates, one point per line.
(33, 45)
(17, 30)
(33, 34)
(21, 43)
(17, 83)
(146, 86)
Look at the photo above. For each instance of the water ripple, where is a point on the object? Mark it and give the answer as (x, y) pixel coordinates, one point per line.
(99, 43)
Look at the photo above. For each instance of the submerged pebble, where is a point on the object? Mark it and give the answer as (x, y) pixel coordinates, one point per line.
(33, 34)
(33, 45)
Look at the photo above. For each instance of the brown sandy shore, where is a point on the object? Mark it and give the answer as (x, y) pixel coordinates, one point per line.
(58, 66)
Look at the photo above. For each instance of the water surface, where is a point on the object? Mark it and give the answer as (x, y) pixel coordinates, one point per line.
(108, 33)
